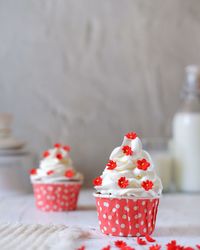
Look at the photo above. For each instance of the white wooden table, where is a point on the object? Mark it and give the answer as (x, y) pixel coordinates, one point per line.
(178, 218)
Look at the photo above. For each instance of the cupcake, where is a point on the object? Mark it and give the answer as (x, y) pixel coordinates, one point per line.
(128, 191)
(56, 183)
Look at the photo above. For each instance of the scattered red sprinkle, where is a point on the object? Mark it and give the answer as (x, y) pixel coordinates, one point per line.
(57, 145)
(111, 165)
(46, 154)
(123, 182)
(131, 135)
(140, 241)
(198, 246)
(155, 247)
(69, 173)
(147, 185)
(120, 243)
(97, 181)
(50, 172)
(81, 248)
(33, 171)
(59, 156)
(127, 150)
(143, 164)
(171, 245)
(127, 248)
(67, 148)
(149, 239)
(106, 248)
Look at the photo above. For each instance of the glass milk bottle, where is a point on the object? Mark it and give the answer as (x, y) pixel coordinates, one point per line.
(186, 134)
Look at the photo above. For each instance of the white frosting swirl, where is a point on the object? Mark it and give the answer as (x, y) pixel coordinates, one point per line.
(127, 166)
(56, 166)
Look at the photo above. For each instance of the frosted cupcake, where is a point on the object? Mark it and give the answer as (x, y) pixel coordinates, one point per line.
(56, 183)
(128, 191)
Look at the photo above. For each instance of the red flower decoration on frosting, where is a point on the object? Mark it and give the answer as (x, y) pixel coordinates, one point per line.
(57, 145)
(59, 156)
(131, 135)
(50, 172)
(120, 243)
(198, 246)
(111, 165)
(147, 185)
(123, 182)
(46, 154)
(97, 181)
(143, 164)
(67, 148)
(33, 171)
(81, 248)
(127, 150)
(155, 247)
(69, 173)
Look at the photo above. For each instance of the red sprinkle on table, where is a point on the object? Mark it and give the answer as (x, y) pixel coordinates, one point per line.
(155, 247)
(97, 181)
(106, 248)
(120, 243)
(140, 241)
(149, 238)
(131, 135)
(127, 150)
(147, 185)
(127, 248)
(143, 164)
(123, 182)
(111, 165)
(57, 145)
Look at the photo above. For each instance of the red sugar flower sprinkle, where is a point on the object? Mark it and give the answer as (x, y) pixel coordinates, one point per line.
(57, 145)
(127, 248)
(123, 182)
(143, 164)
(69, 173)
(155, 247)
(111, 165)
(106, 248)
(120, 243)
(97, 181)
(140, 241)
(33, 171)
(198, 246)
(127, 150)
(46, 154)
(147, 185)
(131, 135)
(149, 239)
(67, 148)
(81, 248)
(59, 156)
(50, 172)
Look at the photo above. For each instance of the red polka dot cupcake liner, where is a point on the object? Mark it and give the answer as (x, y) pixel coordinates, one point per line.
(128, 217)
(56, 197)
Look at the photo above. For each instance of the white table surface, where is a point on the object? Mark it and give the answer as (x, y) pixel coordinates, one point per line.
(178, 218)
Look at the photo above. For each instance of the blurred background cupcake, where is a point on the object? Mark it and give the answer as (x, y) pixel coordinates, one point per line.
(56, 183)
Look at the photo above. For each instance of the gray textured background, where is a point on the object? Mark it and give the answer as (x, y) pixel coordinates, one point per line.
(85, 72)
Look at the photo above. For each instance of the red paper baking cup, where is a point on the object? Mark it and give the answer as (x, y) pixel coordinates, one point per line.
(126, 216)
(56, 196)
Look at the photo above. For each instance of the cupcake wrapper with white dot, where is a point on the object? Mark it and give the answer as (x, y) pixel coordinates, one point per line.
(128, 217)
(56, 196)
